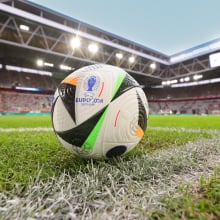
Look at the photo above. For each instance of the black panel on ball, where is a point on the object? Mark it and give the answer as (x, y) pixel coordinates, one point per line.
(142, 115)
(52, 109)
(128, 83)
(116, 151)
(67, 94)
(77, 136)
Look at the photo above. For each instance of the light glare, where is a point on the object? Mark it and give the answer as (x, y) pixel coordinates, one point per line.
(186, 79)
(64, 67)
(93, 48)
(131, 59)
(173, 81)
(153, 66)
(75, 42)
(40, 62)
(24, 27)
(48, 64)
(119, 55)
(196, 77)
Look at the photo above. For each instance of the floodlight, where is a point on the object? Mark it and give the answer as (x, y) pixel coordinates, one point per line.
(75, 42)
(40, 62)
(196, 77)
(131, 59)
(119, 55)
(64, 67)
(186, 79)
(153, 66)
(93, 48)
(48, 64)
(173, 81)
(24, 27)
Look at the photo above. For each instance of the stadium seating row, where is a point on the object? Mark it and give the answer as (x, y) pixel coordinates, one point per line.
(24, 102)
(183, 92)
(11, 101)
(209, 106)
(203, 99)
(10, 79)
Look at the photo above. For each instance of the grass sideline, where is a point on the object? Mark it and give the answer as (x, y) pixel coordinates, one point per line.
(29, 160)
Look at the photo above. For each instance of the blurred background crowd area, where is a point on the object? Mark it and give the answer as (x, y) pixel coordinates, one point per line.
(25, 92)
(11, 101)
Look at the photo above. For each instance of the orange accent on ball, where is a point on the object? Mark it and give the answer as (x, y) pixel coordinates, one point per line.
(71, 80)
(139, 132)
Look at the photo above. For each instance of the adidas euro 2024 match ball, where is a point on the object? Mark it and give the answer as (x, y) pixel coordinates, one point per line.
(99, 111)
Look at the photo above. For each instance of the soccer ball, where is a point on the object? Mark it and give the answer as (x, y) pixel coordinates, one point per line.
(99, 111)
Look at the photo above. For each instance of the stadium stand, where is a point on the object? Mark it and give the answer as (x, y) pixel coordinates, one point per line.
(183, 92)
(14, 101)
(11, 79)
(209, 106)
(202, 99)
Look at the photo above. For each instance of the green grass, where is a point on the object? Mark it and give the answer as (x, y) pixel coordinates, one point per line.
(25, 154)
(21, 121)
(180, 121)
(200, 203)
(176, 121)
(160, 139)
(40, 176)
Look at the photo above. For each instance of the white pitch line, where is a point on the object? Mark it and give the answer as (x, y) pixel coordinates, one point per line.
(194, 130)
(25, 129)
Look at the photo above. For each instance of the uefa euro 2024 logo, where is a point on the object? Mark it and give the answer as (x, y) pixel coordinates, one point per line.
(91, 84)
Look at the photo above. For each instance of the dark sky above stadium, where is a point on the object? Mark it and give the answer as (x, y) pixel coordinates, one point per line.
(168, 26)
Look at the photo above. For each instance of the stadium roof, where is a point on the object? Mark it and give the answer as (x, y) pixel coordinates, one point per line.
(29, 32)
